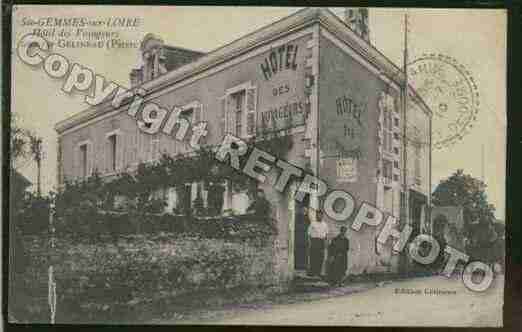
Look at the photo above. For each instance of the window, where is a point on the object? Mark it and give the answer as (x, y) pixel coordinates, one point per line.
(417, 154)
(238, 111)
(192, 112)
(238, 99)
(187, 114)
(251, 106)
(387, 169)
(388, 200)
(388, 131)
(155, 148)
(83, 160)
(417, 148)
(112, 152)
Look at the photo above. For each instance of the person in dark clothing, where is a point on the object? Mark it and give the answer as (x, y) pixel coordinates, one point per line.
(338, 257)
(261, 206)
(215, 198)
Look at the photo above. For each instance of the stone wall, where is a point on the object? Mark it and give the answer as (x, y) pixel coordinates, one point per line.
(98, 278)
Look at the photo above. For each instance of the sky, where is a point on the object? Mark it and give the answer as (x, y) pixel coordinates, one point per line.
(475, 38)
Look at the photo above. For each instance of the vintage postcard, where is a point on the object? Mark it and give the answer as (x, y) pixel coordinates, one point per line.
(257, 165)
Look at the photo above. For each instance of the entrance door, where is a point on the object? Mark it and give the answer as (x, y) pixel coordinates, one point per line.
(417, 201)
(300, 237)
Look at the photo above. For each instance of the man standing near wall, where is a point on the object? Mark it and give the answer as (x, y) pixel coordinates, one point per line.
(317, 232)
(261, 206)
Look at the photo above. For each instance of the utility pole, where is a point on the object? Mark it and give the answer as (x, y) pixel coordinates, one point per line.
(51, 294)
(405, 203)
(404, 124)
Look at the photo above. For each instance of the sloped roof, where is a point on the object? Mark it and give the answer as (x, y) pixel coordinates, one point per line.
(179, 56)
(289, 24)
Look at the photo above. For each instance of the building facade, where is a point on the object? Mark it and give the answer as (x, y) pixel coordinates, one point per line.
(309, 76)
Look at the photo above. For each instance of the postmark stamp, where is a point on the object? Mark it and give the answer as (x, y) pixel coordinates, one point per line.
(450, 91)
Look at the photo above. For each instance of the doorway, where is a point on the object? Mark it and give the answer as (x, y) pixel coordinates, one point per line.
(417, 201)
(300, 236)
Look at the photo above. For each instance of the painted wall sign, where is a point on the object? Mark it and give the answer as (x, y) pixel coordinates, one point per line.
(347, 169)
(279, 59)
(284, 111)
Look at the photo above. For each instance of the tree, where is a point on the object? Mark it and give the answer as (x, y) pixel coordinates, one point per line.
(463, 190)
(18, 144)
(25, 144)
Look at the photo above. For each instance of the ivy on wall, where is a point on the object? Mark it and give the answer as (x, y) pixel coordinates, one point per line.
(95, 193)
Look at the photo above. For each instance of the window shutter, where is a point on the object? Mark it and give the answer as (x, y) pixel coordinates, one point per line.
(125, 152)
(223, 118)
(133, 149)
(197, 113)
(100, 157)
(90, 159)
(76, 162)
(251, 103)
(142, 146)
(155, 148)
(119, 151)
(107, 153)
(146, 147)
(230, 116)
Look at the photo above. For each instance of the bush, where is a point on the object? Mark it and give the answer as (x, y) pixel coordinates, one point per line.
(33, 216)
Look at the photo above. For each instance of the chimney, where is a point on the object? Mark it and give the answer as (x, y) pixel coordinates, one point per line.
(158, 58)
(357, 20)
